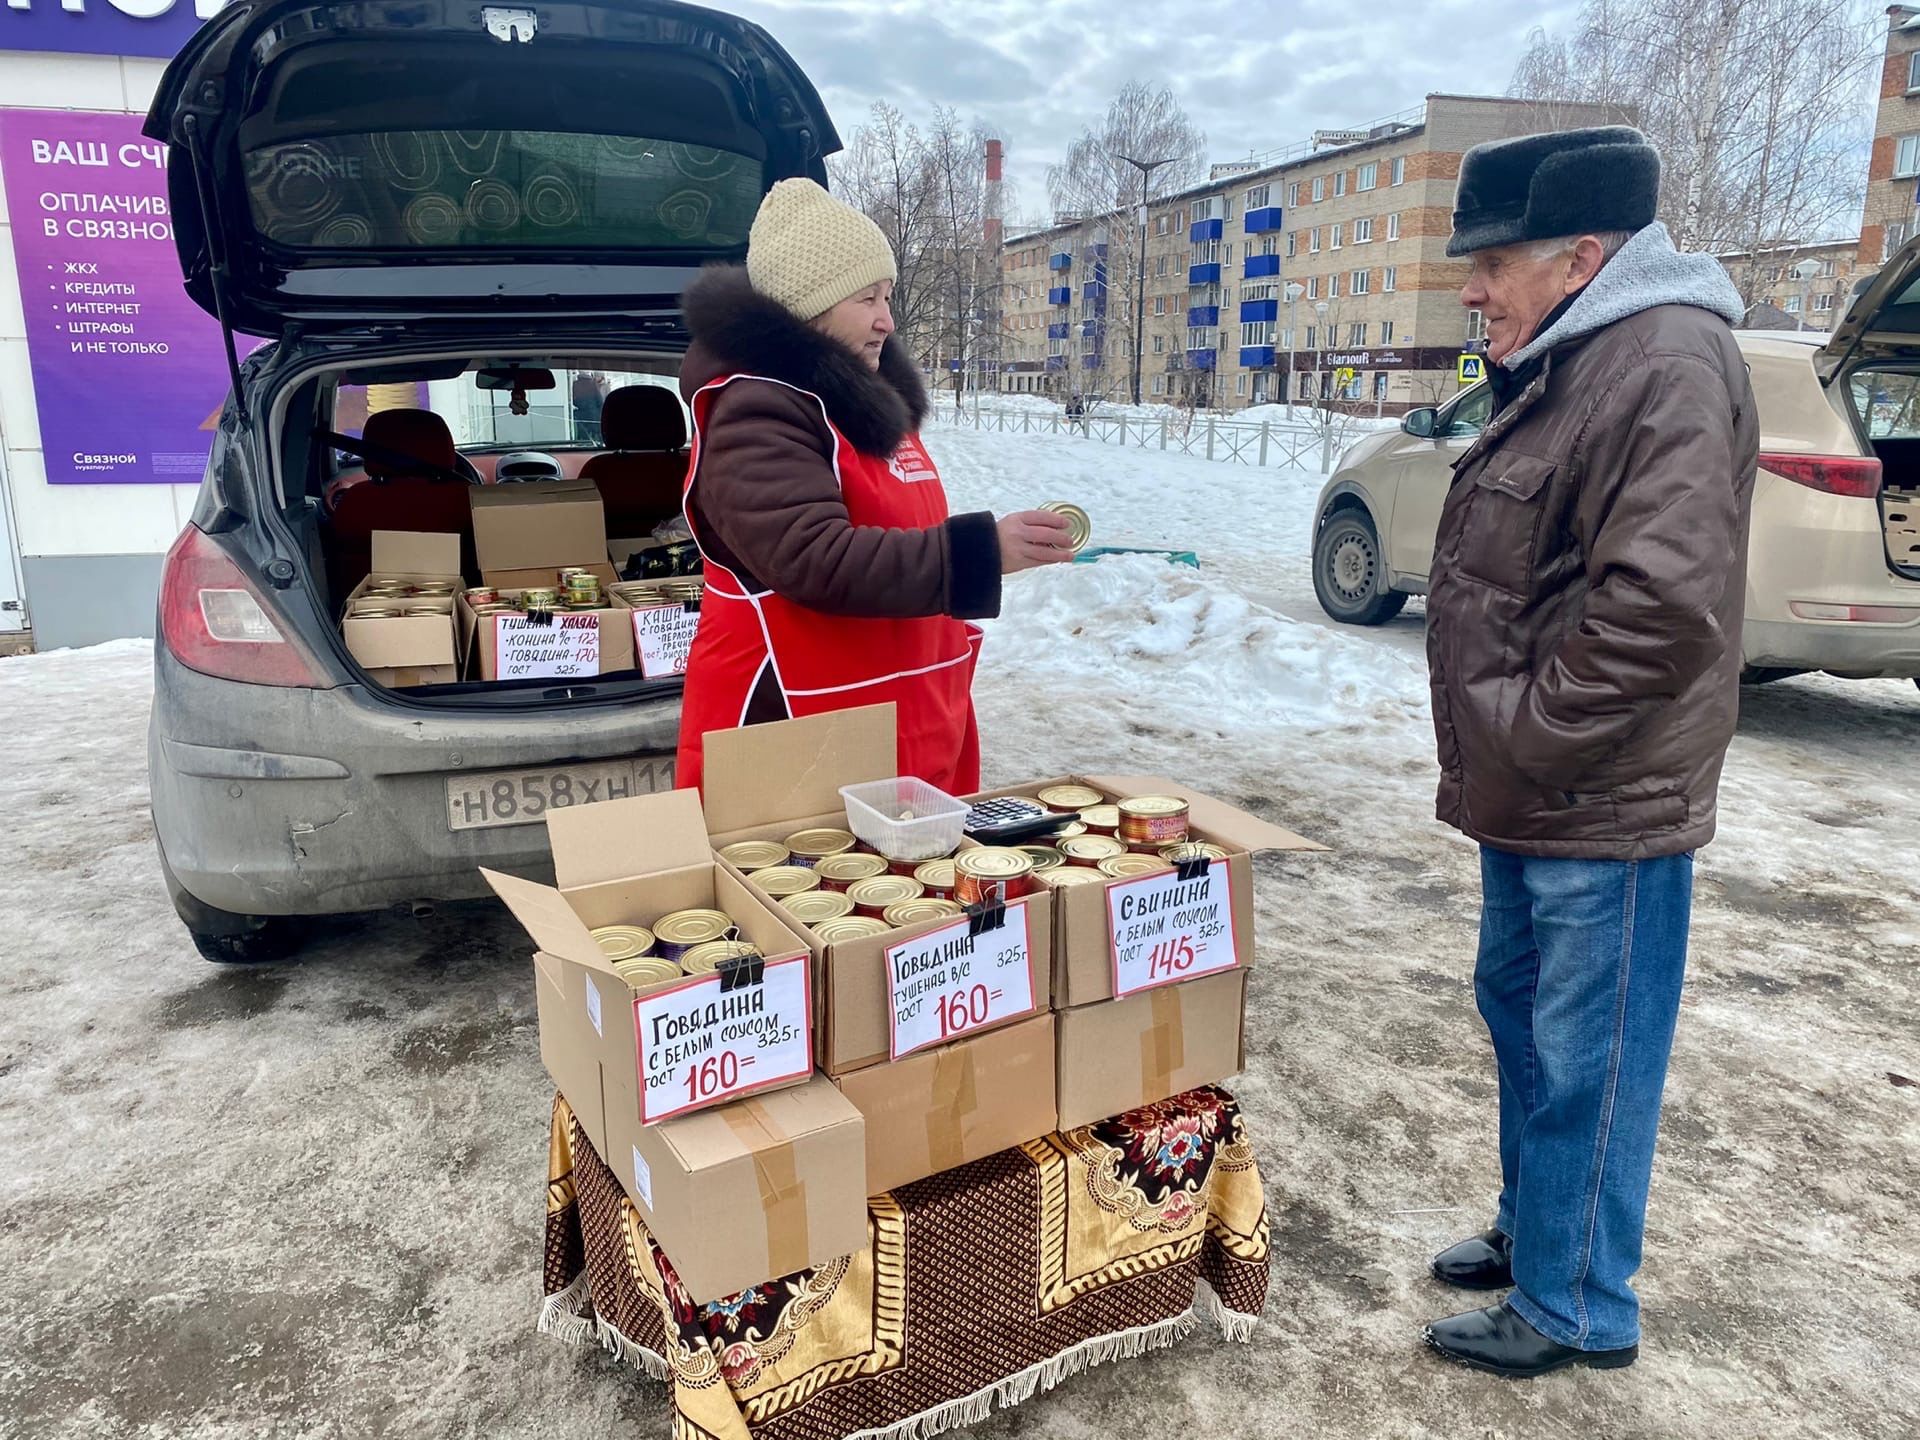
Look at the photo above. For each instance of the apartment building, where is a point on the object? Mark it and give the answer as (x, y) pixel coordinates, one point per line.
(1893, 173)
(1318, 271)
(1808, 285)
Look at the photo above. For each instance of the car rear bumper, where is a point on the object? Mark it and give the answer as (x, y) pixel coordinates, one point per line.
(277, 801)
(1844, 647)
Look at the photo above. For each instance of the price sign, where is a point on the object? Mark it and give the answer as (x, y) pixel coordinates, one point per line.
(1165, 929)
(567, 645)
(700, 1045)
(662, 636)
(947, 983)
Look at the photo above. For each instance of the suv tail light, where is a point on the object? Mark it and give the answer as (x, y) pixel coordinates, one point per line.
(1856, 476)
(215, 621)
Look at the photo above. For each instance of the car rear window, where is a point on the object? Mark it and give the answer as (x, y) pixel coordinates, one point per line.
(501, 190)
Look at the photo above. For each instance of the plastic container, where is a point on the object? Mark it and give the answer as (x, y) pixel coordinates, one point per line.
(905, 818)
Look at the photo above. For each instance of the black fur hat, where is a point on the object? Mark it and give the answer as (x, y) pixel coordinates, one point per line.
(1541, 187)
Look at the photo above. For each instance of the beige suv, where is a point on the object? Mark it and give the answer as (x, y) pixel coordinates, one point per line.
(1833, 573)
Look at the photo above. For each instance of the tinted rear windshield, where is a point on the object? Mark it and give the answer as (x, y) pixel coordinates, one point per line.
(501, 190)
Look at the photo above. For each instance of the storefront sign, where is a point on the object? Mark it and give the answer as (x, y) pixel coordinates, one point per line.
(156, 28)
(128, 373)
(1384, 358)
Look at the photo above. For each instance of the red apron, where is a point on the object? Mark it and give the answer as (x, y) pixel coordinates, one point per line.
(818, 662)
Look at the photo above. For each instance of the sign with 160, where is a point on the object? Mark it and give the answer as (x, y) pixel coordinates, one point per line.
(949, 982)
(700, 1044)
(1166, 929)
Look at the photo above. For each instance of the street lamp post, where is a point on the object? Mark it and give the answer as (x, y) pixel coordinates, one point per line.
(1319, 388)
(1293, 290)
(1146, 169)
(1805, 272)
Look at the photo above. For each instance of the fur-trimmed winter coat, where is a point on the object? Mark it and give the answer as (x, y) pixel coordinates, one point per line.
(767, 503)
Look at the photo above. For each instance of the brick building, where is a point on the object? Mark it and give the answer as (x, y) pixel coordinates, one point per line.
(1358, 220)
(1893, 174)
(1813, 300)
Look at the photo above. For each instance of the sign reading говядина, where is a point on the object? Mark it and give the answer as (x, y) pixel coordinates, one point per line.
(701, 1043)
(129, 375)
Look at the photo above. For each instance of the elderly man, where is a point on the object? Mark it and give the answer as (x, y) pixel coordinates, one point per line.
(1583, 630)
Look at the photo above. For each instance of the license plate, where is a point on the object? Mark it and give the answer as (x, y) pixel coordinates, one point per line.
(523, 797)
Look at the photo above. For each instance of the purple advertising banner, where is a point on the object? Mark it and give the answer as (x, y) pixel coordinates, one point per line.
(156, 28)
(128, 374)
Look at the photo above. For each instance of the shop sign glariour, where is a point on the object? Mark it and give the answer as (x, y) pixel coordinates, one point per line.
(128, 374)
(155, 28)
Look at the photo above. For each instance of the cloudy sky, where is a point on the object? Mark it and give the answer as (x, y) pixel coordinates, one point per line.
(1256, 75)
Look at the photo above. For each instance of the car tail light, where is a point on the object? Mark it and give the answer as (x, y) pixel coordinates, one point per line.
(1857, 476)
(215, 622)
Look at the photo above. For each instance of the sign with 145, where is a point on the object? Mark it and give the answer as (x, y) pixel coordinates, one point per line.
(1165, 929)
(700, 1044)
(948, 983)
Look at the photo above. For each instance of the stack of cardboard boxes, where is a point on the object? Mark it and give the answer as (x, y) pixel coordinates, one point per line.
(404, 650)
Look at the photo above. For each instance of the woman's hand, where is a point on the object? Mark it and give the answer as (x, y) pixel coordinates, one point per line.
(1033, 537)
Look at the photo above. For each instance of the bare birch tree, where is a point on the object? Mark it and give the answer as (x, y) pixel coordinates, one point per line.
(887, 172)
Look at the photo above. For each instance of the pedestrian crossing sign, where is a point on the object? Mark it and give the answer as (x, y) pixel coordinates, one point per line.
(1473, 368)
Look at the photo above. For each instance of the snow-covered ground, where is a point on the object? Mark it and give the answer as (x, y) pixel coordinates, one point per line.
(306, 1201)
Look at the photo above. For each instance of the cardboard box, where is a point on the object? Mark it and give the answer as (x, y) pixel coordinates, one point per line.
(526, 534)
(764, 782)
(1128, 1053)
(1083, 948)
(579, 642)
(661, 636)
(404, 650)
(961, 1102)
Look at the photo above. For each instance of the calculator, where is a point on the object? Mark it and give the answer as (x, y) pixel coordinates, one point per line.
(1012, 821)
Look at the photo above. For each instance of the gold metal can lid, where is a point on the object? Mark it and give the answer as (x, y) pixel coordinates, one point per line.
(1181, 850)
(415, 612)
(1091, 849)
(1044, 857)
(1072, 875)
(705, 959)
(752, 855)
(647, 970)
(912, 912)
(935, 874)
(433, 587)
(623, 942)
(373, 612)
(1152, 807)
(993, 862)
(853, 927)
(884, 890)
(1101, 817)
(1079, 523)
(818, 844)
(1069, 830)
(1069, 797)
(781, 881)
(812, 906)
(850, 867)
(1132, 867)
(692, 927)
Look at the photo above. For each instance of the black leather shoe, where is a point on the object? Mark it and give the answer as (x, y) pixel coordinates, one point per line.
(1498, 1341)
(1484, 1262)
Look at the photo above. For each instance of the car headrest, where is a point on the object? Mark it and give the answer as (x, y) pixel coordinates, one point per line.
(419, 433)
(643, 417)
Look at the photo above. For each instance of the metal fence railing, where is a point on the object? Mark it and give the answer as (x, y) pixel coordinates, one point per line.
(1236, 442)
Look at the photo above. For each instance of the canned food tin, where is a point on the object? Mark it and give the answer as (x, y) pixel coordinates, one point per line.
(623, 942)
(937, 876)
(913, 912)
(679, 932)
(1153, 819)
(1079, 523)
(809, 847)
(1101, 819)
(482, 595)
(434, 588)
(1072, 875)
(373, 612)
(780, 881)
(752, 855)
(1090, 849)
(416, 612)
(872, 897)
(837, 872)
(1132, 867)
(853, 927)
(567, 574)
(1182, 850)
(810, 907)
(705, 959)
(992, 869)
(1068, 799)
(1069, 830)
(1044, 857)
(540, 598)
(647, 970)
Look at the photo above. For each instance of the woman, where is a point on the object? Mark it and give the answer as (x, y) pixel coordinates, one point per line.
(835, 576)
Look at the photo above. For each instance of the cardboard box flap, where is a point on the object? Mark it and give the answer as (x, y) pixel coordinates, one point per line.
(411, 552)
(544, 914)
(615, 839)
(1216, 817)
(762, 773)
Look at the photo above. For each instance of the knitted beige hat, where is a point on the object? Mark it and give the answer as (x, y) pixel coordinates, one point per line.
(808, 251)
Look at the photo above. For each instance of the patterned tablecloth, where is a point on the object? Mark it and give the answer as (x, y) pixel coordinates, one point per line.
(983, 1284)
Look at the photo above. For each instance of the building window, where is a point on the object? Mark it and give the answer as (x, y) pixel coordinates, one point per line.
(1159, 304)
(1293, 243)
(1313, 337)
(1792, 307)
(1826, 266)
(1825, 302)
(1160, 270)
(1319, 188)
(1387, 278)
(1293, 195)
(1268, 245)
(1357, 334)
(1240, 383)
(1913, 71)
(1200, 339)
(1333, 287)
(1286, 338)
(1202, 210)
(1313, 287)
(1229, 252)
(1897, 234)
(1386, 332)
(1159, 344)
(1399, 170)
(1257, 332)
(1338, 230)
(1380, 385)
(1393, 226)
(1258, 196)
(1362, 231)
(1906, 163)
(1339, 184)
(1476, 325)
(1159, 384)
(1361, 282)
(1369, 178)
(1226, 295)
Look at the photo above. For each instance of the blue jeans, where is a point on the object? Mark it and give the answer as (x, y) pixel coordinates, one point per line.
(1578, 980)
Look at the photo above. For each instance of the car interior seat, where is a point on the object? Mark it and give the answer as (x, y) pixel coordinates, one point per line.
(642, 473)
(395, 498)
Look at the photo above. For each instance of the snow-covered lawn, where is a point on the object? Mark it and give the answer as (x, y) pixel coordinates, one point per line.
(307, 1201)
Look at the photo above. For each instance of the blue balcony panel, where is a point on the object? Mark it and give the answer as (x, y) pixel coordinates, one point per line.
(1264, 221)
(1094, 290)
(1060, 260)
(1093, 327)
(1252, 310)
(1201, 359)
(1256, 357)
(1090, 362)
(1056, 362)
(1204, 230)
(1203, 317)
(1097, 251)
(1259, 267)
(1060, 295)
(1208, 274)
(1058, 330)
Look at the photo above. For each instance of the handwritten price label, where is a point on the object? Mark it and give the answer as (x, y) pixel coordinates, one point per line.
(700, 1045)
(1165, 929)
(947, 983)
(568, 646)
(662, 636)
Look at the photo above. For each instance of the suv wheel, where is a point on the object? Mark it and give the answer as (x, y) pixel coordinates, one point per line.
(1348, 578)
(224, 937)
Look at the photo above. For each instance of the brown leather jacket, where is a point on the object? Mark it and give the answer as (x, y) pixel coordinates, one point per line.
(1588, 583)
